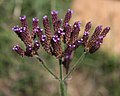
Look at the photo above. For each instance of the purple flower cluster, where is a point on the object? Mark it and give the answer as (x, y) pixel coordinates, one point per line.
(24, 34)
(63, 32)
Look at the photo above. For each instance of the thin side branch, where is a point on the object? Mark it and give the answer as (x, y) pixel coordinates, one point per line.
(75, 65)
(46, 67)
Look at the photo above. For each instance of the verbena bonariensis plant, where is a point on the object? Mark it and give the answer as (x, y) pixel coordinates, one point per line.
(61, 43)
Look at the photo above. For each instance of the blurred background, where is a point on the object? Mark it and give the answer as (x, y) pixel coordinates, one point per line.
(98, 75)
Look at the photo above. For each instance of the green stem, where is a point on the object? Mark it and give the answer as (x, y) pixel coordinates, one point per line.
(61, 71)
(46, 67)
(66, 85)
(74, 66)
(62, 85)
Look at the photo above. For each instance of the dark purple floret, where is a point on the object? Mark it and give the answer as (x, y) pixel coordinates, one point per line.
(96, 39)
(67, 17)
(96, 32)
(71, 47)
(85, 38)
(57, 49)
(95, 47)
(86, 33)
(34, 25)
(54, 12)
(57, 25)
(88, 27)
(105, 31)
(78, 43)
(43, 41)
(19, 32)
(22, 18)
(55, 38)
(25, 36)
(47, 47)
(29, 50)
(39, 31)
(16, 29)
(46, 25)
(76, 27)
(22, 29)
(23, 21)
(61, 31)
(68, 31)
(54, 16)
(43, 38)
(94, 36)
(100, 39)
(36, 45)
(75, 32)
(19, 50)
(66, 61)
(35, 22)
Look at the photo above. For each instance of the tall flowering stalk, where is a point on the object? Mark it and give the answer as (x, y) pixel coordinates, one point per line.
(52, 42)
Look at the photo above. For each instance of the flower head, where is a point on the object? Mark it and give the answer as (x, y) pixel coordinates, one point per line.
(63, 32)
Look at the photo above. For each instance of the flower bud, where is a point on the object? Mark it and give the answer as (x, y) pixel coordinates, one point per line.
(29, 50)
(68, 31)
(75, 32)
(57, 49)
(54, 16)
(36, 46)
(34, 25)
(46, 25)
(19, 50)
(67, 17)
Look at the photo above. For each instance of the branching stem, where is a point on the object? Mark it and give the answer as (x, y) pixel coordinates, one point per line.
(46, 67)
(62, 85)
(75, 65)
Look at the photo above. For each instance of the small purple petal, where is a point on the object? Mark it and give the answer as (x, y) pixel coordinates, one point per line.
(44, 17)
(22, 18)
(35, 19)
(71, 11)
(15, 28)
(54, 12)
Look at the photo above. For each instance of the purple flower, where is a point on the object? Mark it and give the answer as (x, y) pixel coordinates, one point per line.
(23, 34)
(67, 17)
(67, 60)
(75, 32)
(27, 37)
(36, 46)
(93, 44)
(86, 33)
(47, 28)
(54, 16)
(57, 49)
(57, 25)
(63, 32)
(23, 21)
(34, 25)
(19, 50)
(68, 31)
